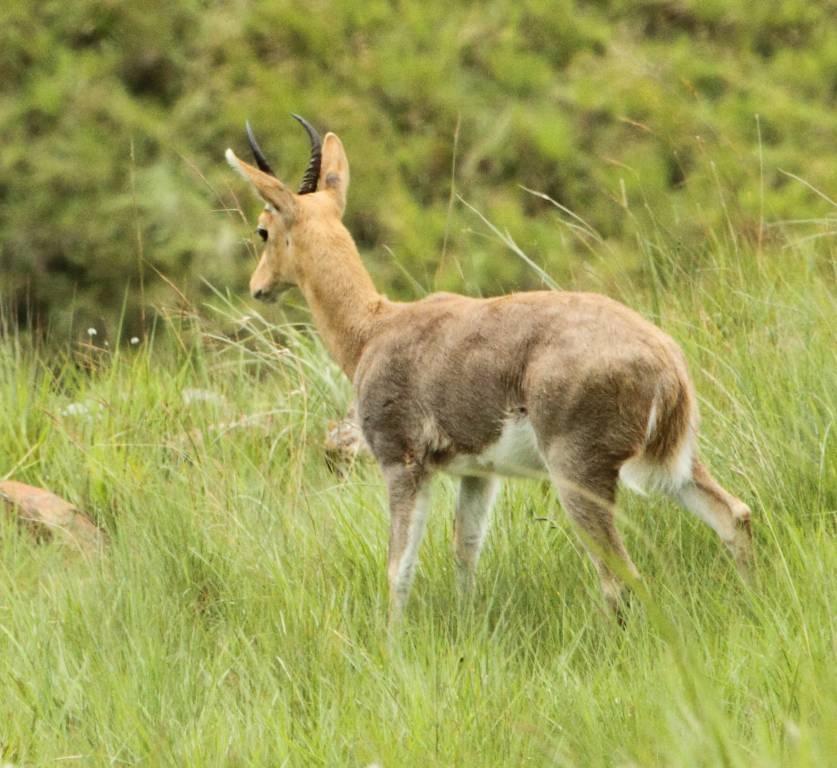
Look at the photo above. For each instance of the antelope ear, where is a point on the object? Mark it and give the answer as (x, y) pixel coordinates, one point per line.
(270, 189)
(334, 171)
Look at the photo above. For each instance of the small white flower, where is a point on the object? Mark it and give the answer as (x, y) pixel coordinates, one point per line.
(134, 340)
(107, 343)
(86, 409)
(92, 332)
(191, 396)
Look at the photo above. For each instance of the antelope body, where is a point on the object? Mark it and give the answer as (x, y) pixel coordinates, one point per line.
(573, 386)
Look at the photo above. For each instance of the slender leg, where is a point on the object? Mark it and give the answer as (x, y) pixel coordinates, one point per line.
(587, 491)
(409, 501)
(473, 516)
(727, 515)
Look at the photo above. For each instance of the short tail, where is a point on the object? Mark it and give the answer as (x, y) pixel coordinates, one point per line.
(674, 413)
(665, 461)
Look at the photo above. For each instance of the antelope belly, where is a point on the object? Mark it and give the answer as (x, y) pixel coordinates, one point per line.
(515, 454)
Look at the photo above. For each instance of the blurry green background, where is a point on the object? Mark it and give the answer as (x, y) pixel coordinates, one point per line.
(678, 119)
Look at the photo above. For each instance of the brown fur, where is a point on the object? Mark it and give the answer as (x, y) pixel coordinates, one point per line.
(439, 378)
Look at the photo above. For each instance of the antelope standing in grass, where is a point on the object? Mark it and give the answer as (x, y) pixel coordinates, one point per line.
(574, 386)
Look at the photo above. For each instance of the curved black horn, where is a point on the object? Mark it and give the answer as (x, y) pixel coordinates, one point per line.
(257, 152)
(312, 172)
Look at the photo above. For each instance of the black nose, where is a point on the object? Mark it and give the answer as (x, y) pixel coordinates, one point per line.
(259, 294)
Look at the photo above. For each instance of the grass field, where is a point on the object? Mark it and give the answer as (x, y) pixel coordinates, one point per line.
(237, 616)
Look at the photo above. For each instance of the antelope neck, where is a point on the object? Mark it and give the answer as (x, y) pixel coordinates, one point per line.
(343, 300)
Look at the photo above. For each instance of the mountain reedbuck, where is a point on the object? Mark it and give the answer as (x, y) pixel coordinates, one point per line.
(573, 386)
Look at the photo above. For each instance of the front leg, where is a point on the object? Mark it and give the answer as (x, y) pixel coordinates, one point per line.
(409, 501)
(473, 515)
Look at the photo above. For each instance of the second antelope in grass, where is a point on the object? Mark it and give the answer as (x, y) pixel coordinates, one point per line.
(573, 386)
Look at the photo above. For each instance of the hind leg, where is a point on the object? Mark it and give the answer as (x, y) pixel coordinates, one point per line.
(587, 489)
(727, 515)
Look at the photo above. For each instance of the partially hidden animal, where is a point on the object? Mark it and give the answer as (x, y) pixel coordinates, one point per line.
(572, 386)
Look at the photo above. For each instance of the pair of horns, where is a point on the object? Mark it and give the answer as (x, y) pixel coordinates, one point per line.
(312, 172)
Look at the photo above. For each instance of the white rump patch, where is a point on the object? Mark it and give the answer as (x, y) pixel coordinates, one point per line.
(514, 454)
(644, 474)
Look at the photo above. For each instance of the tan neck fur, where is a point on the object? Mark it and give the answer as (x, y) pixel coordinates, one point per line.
(340, 294)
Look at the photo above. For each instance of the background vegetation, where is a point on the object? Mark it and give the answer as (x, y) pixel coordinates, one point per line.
(686, 115)
(236, 616)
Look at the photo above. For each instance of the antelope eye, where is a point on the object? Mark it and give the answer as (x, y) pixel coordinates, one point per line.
(262, 233)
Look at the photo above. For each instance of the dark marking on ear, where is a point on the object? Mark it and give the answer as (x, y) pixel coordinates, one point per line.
(332, 179)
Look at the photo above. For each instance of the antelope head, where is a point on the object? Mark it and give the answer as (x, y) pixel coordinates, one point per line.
(295, 227)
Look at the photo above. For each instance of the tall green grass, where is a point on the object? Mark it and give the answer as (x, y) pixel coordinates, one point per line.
(237, 616)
